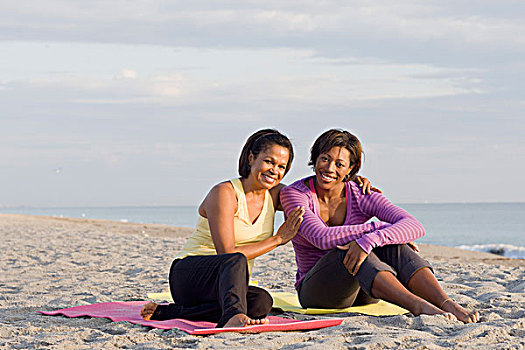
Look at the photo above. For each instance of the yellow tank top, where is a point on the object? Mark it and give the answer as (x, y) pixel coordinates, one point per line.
(246, 232)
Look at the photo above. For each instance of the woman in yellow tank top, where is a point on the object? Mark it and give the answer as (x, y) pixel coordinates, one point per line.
(209, 277)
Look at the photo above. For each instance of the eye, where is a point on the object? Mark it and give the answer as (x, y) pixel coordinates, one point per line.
(282, 167)
(339, 165)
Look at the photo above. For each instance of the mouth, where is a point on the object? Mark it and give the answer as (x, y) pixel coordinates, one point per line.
(328, 178)
(268, 179)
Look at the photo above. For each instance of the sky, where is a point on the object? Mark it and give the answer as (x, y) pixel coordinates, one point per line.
(132, 103)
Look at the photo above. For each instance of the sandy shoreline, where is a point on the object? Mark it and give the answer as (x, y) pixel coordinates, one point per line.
(50, 263)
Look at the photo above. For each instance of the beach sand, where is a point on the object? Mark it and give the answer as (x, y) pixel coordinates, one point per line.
(50, 263)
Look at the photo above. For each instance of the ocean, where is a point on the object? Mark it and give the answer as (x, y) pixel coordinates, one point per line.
(487, 227)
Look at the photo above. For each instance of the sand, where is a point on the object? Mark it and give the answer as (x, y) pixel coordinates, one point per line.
(51, 263)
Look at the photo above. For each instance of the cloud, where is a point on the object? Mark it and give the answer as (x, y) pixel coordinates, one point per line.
(152, 93)
(407, 31)
(127, 74)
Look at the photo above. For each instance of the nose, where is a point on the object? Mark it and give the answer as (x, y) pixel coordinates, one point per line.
(331, 167)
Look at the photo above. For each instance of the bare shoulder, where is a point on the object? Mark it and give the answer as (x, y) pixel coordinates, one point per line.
(275, 192)
(222, 195)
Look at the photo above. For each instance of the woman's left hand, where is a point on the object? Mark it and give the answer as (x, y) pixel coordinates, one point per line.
(365, 185)
(354, 257)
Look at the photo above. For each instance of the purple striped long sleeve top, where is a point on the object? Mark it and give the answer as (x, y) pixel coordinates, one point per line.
(315, 238)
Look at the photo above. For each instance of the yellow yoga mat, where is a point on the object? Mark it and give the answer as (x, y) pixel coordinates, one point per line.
(289, 302)
(160, 296)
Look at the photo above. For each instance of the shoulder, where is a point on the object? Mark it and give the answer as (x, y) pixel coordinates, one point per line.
(297, 186)
(296, 194)
(275, 194)
(223, 188)
(220, 194)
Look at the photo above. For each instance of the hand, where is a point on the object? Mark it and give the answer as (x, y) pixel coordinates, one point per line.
(413, 246)
(289, 228)
(354, 257)
(365, 185)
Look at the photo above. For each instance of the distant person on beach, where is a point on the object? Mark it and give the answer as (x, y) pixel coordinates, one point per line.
(209, 277)
(342, 260)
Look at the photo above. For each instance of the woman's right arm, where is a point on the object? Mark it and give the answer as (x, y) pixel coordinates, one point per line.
(219, 208)
(315, 231)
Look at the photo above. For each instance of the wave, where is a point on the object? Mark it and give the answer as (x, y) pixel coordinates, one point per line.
(506, 250)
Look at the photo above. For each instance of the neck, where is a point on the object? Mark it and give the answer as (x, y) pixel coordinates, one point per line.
(250, 186)
(332, 193)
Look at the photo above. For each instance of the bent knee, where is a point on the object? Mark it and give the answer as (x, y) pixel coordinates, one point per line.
(261, 306)
(235, 262)
(236, 258)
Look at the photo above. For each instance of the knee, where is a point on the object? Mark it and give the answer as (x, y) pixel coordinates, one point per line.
(261, 306)
(405, 249)
(235, 261)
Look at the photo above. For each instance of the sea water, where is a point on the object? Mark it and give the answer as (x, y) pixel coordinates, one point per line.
(487, 227)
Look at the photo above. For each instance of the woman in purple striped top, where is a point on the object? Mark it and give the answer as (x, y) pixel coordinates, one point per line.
(341, 259)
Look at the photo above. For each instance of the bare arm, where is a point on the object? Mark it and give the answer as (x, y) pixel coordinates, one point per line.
(220, 206)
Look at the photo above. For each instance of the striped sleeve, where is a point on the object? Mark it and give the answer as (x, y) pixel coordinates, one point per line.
(314, 230)
(405, 228)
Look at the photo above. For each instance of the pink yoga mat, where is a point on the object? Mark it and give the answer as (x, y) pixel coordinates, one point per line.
(130, 311)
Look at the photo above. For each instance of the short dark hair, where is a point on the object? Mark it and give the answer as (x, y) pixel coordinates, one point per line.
(338, 138)
(259, 142)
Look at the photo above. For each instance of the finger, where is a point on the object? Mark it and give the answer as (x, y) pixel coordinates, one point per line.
(299, 211)
(294, 212)
(366, 187)
(296, 218)
(292, 217)
(350, 264)
(357, 267)
(299, 217)
(297, 224)
(352, 270)
(346, 261)
(375, 189)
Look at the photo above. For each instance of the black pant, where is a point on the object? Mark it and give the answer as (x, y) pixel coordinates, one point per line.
(329, 284)
(213, 288)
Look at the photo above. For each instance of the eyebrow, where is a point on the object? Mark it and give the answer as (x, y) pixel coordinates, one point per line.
(329, 156)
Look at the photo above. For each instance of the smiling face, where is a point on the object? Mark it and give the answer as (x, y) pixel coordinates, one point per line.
(269, 167)
(331, 167)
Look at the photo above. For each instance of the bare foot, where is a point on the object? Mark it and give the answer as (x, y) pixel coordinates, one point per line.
(256, 321)
(449, 316)
(241, 320)
(461, 314)
(147, 310)
(426, 308)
